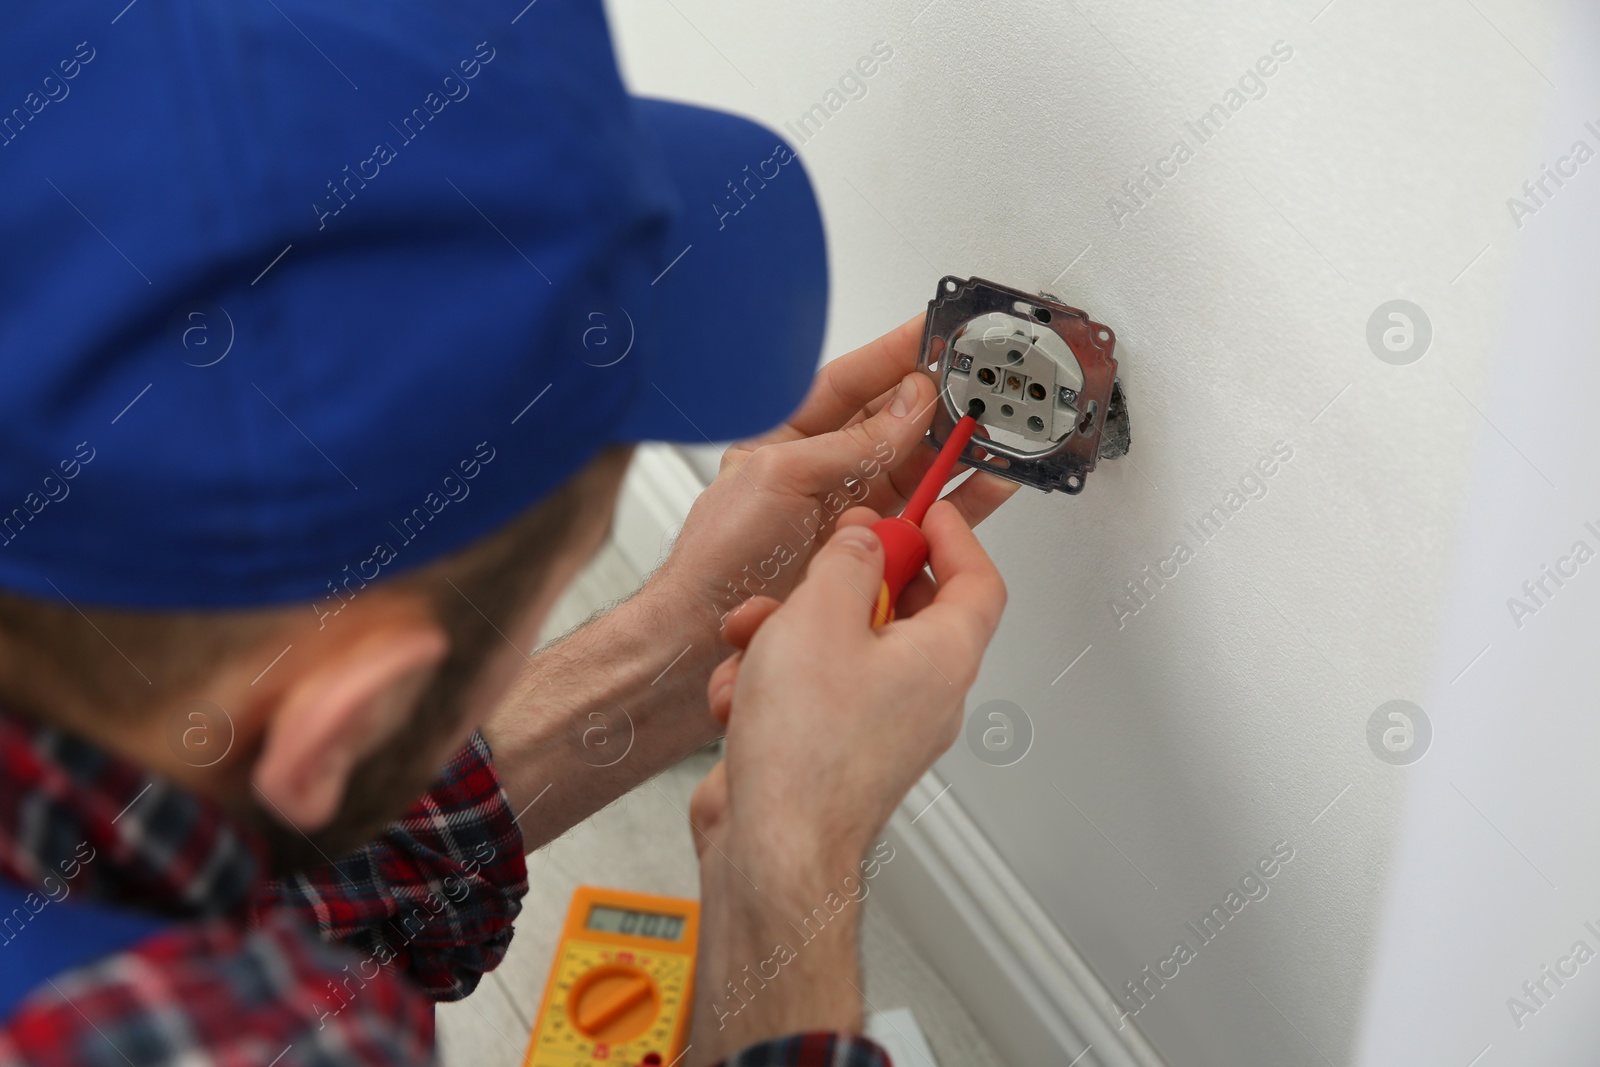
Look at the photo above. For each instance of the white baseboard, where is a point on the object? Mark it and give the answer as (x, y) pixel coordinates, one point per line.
(901, 1036)
(1025, 985)
(1030, 992)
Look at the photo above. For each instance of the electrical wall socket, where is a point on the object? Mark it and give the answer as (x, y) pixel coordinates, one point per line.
(1043, 374)
(1023, 374)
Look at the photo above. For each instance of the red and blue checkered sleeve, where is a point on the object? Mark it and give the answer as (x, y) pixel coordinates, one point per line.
(815, 1049)
(436, 892)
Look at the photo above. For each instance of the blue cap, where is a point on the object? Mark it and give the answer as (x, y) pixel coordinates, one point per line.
(296, 287)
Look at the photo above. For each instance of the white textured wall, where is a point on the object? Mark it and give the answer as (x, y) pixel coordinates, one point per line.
(1228, 713)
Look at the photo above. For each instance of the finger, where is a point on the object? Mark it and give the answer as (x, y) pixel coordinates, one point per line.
(743, 621)
(901, 481)
(857, 516)
(918, 594)
(986, 493)
(841, 584)
(977, 497)
(740, 626)
(906, 477)
(965, 611)
(708, 804)
(873, 406)
(981, 495)
(822, 463)
(846, 385)
(719, 689)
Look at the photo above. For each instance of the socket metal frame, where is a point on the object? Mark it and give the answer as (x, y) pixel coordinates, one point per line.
(1102, 428)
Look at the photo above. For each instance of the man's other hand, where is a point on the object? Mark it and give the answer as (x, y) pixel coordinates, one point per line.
(829, 723)
(857, 440)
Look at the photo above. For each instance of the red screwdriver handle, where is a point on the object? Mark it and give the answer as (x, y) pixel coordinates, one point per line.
(905, 549)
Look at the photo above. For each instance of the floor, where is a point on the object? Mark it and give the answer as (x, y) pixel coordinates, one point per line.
(642, 843)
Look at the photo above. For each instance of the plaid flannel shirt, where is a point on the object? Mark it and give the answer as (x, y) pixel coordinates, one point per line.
(335, 965)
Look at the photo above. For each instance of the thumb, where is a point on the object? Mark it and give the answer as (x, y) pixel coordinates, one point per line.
(841, 585)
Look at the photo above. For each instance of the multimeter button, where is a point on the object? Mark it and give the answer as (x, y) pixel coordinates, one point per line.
(613, 1003)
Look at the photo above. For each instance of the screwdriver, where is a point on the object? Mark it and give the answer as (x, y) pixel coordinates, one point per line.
(905, 549)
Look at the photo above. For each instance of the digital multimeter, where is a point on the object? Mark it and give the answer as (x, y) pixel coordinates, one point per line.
(621, 986)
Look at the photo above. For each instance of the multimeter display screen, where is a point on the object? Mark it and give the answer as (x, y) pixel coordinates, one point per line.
(635, 923)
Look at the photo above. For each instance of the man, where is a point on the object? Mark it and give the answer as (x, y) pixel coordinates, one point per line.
(304, 435)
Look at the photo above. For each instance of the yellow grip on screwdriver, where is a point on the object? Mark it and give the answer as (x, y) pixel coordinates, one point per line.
(883, 610)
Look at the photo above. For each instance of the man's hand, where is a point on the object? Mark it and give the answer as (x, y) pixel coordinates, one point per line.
(830, 722)
(623, 697)
(856, 440)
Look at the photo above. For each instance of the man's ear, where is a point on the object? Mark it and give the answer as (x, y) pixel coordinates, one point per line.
(340, 710)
